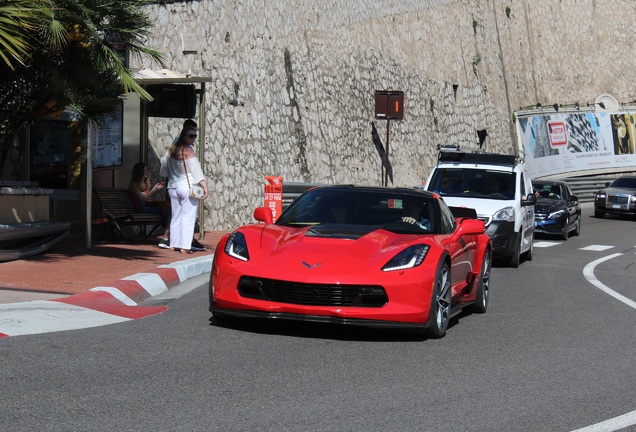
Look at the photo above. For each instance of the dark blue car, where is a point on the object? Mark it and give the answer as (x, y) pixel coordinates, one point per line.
(557, 211)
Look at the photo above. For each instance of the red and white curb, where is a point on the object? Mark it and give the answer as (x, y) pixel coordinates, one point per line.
(101, 305)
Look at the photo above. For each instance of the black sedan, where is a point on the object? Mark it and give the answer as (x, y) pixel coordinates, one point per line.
(557, 211)
(618, 197)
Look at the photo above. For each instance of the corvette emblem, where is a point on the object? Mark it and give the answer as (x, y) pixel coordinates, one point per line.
(311, 266)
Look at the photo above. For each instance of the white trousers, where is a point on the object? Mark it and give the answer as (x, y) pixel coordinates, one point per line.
(184, 215)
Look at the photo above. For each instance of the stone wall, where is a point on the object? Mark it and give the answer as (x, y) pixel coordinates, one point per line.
(293, 82)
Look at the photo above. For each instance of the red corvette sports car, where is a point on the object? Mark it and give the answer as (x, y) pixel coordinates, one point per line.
(372, 256)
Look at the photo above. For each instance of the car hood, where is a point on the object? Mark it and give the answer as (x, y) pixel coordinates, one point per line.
(333, 241)
(277, 250)
(625, 191)
(548, 205)
(485, 208)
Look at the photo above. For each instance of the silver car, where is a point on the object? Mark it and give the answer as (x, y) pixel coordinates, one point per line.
(619, 198)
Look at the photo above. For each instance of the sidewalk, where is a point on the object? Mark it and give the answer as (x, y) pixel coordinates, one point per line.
(69, 268)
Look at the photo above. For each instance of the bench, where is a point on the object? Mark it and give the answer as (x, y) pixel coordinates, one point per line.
(118, 211)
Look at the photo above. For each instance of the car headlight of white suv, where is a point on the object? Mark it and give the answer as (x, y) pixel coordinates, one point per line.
(505, 214)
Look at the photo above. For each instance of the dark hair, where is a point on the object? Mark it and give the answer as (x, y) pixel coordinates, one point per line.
(138, 172)
(137, 177)
(190, 122)
(182, 140)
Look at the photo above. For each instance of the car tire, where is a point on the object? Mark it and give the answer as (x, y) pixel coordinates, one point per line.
(599, 214)
(439, 315)
(577, 227)
(515, 259)
(566, 230)
(483, 285)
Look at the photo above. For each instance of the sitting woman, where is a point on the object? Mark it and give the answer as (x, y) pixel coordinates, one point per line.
(142, 195)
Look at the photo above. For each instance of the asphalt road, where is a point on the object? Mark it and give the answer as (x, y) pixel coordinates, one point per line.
(553, 353)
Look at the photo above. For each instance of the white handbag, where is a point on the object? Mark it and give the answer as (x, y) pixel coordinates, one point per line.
(196, 191)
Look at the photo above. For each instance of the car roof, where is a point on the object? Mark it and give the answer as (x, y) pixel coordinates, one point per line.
(545, 182)
(477, 158)
(383, 189)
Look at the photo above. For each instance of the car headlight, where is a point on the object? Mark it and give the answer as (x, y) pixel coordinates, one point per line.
(600, 195)
(410, 257)
(236, 246)
(505, 214)
(556, 214)
(632, 199)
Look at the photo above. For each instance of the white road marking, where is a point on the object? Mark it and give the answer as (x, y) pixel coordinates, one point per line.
(545, 244)
(588, 272)
(596, 248)
(610, 425)
(628, 419)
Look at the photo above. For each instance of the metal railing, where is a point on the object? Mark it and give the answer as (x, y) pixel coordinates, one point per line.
(583, 187)
(586, 187)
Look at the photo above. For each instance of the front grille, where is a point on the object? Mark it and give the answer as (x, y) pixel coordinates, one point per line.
(618, 199)
(312, 294)
(540, 215)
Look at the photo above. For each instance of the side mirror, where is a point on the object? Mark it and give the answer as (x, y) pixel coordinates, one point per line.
(607, 184)
(574, 198)
(530, 200)
(264, 214)
(471, 226)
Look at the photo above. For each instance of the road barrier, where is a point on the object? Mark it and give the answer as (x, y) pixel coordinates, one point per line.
(586, 187)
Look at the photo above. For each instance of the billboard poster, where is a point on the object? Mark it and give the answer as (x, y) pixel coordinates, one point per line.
(570, 144)
(48, 157)
(107, 141)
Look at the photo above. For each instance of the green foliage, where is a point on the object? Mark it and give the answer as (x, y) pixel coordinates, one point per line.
(66, 57)
(19, 20)
(508, 10)
(475, 24)
(477, 59)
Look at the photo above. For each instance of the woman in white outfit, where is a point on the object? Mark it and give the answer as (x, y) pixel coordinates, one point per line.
(184, 207)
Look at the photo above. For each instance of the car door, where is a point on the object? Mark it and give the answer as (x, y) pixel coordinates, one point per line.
(572, 205)
(527, 212)
(461, 249)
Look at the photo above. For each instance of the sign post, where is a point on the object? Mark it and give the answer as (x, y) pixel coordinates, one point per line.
(274, 195)
(389, 105)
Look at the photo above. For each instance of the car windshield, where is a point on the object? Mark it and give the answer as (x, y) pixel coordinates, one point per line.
(624, 182)
(550, 191)
(474, 183)
(351, 213)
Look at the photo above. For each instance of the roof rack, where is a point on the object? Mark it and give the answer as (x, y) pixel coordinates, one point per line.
(480, 158)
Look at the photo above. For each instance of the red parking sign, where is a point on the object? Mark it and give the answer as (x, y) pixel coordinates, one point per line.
(557, 133)
(274, 195)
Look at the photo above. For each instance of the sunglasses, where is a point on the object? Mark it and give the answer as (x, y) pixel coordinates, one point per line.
(192, 135)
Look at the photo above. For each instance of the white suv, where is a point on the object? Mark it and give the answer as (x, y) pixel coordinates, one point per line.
(499, 189)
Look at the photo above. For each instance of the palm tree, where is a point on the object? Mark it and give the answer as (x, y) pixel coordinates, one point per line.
(17, 19)
(76, 65)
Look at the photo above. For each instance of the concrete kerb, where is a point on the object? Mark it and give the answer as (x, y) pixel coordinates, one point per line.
(100, 305)
(134, 289)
